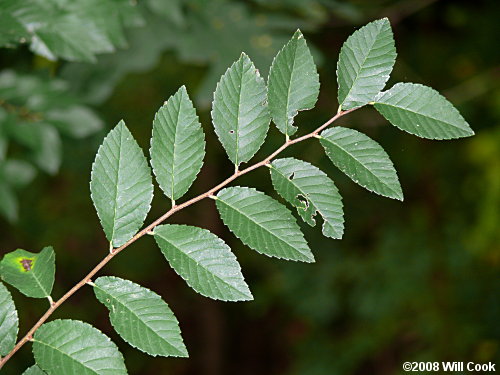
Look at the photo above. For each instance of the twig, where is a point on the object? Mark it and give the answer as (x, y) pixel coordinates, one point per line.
(150, 228)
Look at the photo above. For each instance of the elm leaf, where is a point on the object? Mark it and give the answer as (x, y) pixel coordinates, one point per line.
(363, 160)
(293, 83)
(262, 223)
(74, 347)
(239, 113)
(121, 185)
(365, 63)
(140, 317)
(311, 191)
(32, 274)
(34, 370)
(177, 145)
(9, 321)
(204, 261)
(422, 111)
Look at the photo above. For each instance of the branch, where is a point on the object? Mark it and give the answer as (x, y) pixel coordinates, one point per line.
(150, 228)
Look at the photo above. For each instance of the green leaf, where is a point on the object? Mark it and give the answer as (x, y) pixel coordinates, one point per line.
(240, 114)
(311, 191)
(76, 121)
(74, 347)
(121, 185)
(365, 63)
(48, 149)
(34, 370)
(422, 111)
(12, 30)
(32, 274)
(262, 223)
(18, 173)
(9, 321)
(204, 261)
(363, 160)
(74, 30)
(177, 145)
(293, 83)
(141, 317)
(172, 10)
(42, 139)
(8, 202)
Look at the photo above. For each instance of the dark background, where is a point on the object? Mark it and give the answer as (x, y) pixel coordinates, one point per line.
(411, 281)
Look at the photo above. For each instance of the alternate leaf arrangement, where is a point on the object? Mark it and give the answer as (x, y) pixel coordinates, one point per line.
(243, 107)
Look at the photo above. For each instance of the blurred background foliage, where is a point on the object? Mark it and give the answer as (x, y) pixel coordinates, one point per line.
(411, 281)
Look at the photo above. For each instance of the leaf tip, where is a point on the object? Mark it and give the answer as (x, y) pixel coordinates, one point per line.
(298, 34)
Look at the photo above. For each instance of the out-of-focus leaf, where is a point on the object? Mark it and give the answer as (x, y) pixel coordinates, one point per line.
(8, 202)
(171, 9)
(75, 31)
(48, 153)
(74, 347)
(76, 121)
(17, 173)
(32, 274)
(12, 31)
(43, 141)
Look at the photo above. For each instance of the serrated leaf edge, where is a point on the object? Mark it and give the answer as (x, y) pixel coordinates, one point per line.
(223, 281)
(182, 355)
(291, 118)
(305, 259)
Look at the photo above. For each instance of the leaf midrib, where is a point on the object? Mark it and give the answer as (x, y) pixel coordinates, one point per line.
(289, 87)
(135, 314)
(66, 355)
(419, 114)
(199, 264)
(117, 185)
(263, 227)
(361, 67)
(172, 177)
(361, 164)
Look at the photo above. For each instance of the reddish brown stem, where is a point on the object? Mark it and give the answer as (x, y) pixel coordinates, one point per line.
(149, 229)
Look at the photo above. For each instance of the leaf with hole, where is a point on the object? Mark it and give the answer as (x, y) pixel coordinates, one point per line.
(141, 317)
(422, 111)
(239, 112)
(9, 321)
(74, 347)
(293, 83)
(177, 145)
(121, 185)
(204, 261)
(32, 274)
(311, 191)
(365, 63)
(363, 160)
(262, 223)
